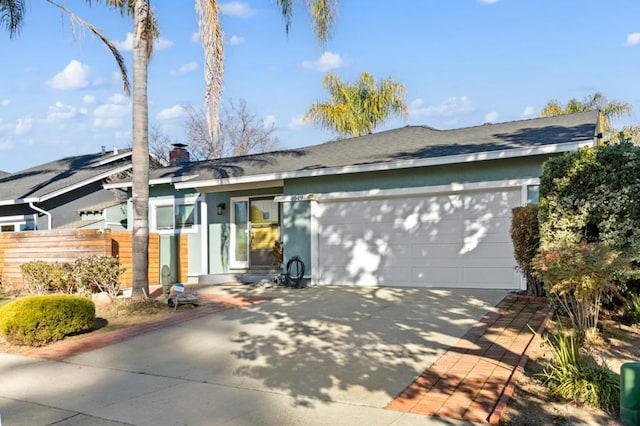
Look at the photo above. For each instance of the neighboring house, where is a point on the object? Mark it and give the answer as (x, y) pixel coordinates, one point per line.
(57, 194)
(413, 206)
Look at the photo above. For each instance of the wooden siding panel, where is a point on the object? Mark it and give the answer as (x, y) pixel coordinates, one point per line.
(17, 248)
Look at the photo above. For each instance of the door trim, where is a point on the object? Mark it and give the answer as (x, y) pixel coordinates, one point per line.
(233, 263)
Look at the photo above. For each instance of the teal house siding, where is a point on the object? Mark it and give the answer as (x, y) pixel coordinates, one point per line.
(517, 168)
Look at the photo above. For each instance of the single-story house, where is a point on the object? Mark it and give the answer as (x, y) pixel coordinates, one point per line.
(58, 194)
(413, 206)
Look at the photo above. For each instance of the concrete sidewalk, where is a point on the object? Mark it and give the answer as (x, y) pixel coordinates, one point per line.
(312, 356)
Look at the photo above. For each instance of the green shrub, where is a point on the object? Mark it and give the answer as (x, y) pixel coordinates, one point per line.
(98, 274)
(38, 320)
(593, 195)
(575, 377)
(525, 234)
(579, 276)
(42, 277)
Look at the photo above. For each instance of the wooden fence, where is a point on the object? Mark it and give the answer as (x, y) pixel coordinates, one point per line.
(17, 248)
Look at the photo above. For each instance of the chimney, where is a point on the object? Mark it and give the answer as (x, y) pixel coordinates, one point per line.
(178, 154)
(104, 150)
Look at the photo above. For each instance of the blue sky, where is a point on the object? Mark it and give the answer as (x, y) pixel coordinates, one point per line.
(463, 62)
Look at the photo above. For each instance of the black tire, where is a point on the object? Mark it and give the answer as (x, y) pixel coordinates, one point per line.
(295, 271)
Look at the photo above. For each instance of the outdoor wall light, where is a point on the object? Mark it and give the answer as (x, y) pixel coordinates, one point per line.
(220, 208)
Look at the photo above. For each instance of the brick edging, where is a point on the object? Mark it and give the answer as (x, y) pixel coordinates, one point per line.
(534, 299)
(500, 407)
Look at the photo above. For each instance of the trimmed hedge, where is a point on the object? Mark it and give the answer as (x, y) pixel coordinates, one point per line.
(39, 320)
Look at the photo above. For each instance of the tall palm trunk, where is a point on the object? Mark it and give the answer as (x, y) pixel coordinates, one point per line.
(140, 170)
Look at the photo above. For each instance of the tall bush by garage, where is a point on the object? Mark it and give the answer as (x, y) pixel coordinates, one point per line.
(525, 235)
(38, 320)
(593, 195)
(589, 234)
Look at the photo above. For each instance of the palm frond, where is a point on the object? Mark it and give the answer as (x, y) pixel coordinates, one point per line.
(212, 42)
(76, 20)
(12, 15)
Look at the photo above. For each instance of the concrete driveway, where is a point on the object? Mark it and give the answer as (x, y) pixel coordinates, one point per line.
(309, 356)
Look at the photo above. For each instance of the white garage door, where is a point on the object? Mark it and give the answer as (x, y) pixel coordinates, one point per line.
(452, 240)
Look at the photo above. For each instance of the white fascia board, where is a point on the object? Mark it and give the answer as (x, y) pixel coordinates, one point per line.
(258, 184)
(20, 217)
(84, 182)
(159, 181)
(19, 201)
(112, 158)
(422, 190)
(405, 164)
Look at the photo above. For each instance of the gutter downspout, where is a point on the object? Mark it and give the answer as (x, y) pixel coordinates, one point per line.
(44, 212)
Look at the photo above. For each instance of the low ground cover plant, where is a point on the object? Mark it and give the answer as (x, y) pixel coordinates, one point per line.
(39, 320)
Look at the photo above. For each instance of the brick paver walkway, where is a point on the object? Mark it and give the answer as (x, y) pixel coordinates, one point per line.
(475, 378)
(208, 304)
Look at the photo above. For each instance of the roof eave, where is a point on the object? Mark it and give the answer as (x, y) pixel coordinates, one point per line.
(159, 181)
(395, 165)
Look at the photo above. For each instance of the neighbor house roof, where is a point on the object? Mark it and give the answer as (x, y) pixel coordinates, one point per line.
(46, 181)
(3, 173)
(411, 146)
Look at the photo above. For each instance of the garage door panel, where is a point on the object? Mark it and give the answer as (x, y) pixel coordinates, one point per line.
(453, 240)
(496, 276)
(435, 251)
(489, 252)
(439, 274)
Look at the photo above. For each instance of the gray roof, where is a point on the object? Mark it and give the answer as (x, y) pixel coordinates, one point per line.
(3, 173)
(54, 176)
(406, 143)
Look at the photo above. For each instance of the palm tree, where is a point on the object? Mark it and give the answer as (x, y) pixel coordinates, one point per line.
(609, 110)
(357, 109)
(12, 15)
(208, 12)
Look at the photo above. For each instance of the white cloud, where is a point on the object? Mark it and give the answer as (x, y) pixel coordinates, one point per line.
(491, 117)
(488, 1)
(632, 39)
(74, 76)
(4, 103)
(235, 40)
(162, 44)
(236, 8)
(127, 43)
(451, 106)
(24, 125)
(195, 37)
(118, 99)
(326, 62)
(170, 113)
(190, 66)
(528, 111)
(298, 122)
(60, 112)
(269, 120)
(111, 114)
(88, 99)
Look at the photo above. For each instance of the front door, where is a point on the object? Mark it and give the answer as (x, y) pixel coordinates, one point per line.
(255, 227)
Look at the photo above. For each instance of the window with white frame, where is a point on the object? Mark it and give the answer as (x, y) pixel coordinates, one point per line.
(17, 226)
(533, 194)
(172, 216)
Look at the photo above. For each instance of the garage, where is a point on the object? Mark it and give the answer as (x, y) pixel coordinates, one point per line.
(454, 239)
